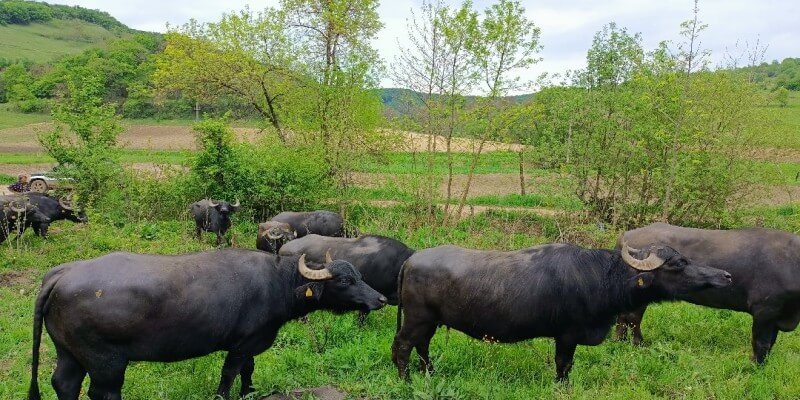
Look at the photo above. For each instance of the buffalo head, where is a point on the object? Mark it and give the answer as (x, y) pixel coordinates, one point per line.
(663, 268)
(338, 286)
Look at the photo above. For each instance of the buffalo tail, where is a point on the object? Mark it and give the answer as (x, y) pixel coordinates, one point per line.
(400, 296)
(38, 317)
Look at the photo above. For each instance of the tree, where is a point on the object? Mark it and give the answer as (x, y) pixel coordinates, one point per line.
(84, 138)
(340, 113)
(613, 57)
(246, 55)
(507, 41)
(782, 96)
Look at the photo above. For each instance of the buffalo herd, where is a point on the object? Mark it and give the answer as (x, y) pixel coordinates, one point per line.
(106, 312)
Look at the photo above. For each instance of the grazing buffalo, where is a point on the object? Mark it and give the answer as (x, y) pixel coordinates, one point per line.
(559, 290)
(105, 312)
(764, 265)
(325, 223)
(272, 235)
(55, 209)
(377, 258)
(16, 214)
(213, 216)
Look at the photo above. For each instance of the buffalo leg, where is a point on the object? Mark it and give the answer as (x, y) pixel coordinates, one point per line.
(106, 381)
(247, 376)
(68, 376)
(232, 367)
(764, 335)
(413, 333)
(422, 351)
(565, 352)
(632, 321)
(198, 233)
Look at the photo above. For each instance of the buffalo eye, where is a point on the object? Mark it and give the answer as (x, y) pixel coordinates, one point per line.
(345, 281)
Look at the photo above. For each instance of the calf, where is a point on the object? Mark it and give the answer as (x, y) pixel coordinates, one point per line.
(213, 216)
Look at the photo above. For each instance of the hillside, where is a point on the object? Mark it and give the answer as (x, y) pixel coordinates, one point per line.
(44, 42)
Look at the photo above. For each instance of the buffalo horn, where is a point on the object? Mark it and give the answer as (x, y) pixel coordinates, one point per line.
(65, 203)
(648, 264)
(274, 233)
(328, 258)
(312, 274)
(211, 203)
(236, 204)
(15, 208)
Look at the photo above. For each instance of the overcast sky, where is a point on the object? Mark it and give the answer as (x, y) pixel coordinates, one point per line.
(567, 25)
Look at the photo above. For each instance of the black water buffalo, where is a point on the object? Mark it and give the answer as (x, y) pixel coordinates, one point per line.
(377, 258)
(559, 290)
(272, 235)
(765, 268)
(105, 312)
(325, 223)
(55, 209)
(16, 214)
(213, 216)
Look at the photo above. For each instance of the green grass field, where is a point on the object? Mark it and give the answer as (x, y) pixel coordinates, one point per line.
(13, 119)
(784, 125)
(41, 43)
(691, 352)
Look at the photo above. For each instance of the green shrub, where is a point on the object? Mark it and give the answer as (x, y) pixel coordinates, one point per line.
(267, 176)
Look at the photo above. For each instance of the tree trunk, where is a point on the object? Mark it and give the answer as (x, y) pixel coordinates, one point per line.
(521, 173)
(472, 167)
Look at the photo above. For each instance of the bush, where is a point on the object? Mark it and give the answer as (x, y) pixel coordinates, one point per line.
(267, 177)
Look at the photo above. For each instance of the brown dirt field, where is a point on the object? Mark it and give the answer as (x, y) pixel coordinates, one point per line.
(482, 184)
(321, 393)
(415, 142)
(149, 137)
(24, 169)
(178, 137)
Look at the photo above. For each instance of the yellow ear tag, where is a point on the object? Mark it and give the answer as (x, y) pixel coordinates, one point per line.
(309, 293)
(641, 282)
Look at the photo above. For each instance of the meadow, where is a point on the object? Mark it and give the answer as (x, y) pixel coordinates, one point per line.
(691, 352)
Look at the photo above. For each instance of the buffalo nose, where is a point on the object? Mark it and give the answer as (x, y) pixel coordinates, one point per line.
(383, 300)
(727, 276)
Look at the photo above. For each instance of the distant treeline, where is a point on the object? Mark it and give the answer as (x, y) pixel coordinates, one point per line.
(774, 75)
(22, 12)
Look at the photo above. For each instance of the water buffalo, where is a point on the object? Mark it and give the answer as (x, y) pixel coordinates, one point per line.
(55, 209)
(377, 258)
(325, 223)
(561, 291)
(213, 216)
(272, 235)
(106, 312)
(765, 268)
(16, 214)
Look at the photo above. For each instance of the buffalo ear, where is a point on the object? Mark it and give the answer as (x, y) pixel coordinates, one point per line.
(309, 291)
(643, 280)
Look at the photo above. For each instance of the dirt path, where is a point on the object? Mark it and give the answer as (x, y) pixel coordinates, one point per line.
(470, 210)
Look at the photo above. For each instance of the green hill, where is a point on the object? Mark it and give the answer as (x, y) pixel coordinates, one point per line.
(39, 32)
(43, 42)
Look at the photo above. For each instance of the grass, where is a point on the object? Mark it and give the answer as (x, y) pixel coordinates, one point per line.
(41, 43)
(127, 156)
(691, 353)
(10, 118)
(411, 163)
(7, 179)
(784, 122)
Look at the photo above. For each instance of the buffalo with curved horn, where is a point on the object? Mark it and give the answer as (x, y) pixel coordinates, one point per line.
(561, 291)
(109, 311)
(213, 216)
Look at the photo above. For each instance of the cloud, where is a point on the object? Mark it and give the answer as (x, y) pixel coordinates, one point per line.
(567, 25)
